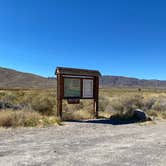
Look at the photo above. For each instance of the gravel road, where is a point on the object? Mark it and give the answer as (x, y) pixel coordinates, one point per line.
(85, 143)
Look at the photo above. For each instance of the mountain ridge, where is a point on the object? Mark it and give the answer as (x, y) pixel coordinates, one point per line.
(12, 79)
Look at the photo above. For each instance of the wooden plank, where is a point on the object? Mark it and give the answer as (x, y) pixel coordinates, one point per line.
(97, 96)
(59, 95)
(73, 101)
(75, 71)
(61, 92)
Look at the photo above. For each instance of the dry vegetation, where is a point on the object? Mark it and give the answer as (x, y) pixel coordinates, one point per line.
(122, 102)
(38, 107)
(24, 118)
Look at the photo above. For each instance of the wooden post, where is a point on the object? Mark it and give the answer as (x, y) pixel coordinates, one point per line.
(96, 96)
(59, 97)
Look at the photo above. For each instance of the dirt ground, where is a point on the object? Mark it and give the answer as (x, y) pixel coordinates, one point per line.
(85, 143)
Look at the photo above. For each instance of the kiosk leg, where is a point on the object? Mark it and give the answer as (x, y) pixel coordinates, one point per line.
(95, 108)
(59, 109)
(59, 98)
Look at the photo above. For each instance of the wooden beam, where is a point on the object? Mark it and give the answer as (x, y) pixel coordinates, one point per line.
(96, 96)
(75, 71)
(97, 103)
(59, 96)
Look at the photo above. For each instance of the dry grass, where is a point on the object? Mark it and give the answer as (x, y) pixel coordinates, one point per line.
(112, 101)
(78, 115)
(122, 102)
(43, 102)
(24, 118)
(157, 114)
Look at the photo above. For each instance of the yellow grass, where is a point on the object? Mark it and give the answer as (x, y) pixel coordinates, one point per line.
(78, 115)
(111, 101)
(24, 118)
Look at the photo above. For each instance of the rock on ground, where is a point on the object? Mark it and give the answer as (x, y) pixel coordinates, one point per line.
(140, 115)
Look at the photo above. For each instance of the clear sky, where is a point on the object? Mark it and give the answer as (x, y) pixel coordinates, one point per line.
(117, 37)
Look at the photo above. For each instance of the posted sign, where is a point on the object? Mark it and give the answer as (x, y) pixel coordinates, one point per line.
(72, 87)
(87, 88)
(78, 88)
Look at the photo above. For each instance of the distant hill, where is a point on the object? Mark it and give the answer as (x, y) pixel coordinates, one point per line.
(14, 79)
(119, 81)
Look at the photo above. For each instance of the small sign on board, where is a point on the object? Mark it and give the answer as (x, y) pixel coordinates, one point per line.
(72, 87)
(73, 101)
(87, 88)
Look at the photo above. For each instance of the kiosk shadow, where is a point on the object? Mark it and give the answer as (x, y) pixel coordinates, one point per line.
(106, 121)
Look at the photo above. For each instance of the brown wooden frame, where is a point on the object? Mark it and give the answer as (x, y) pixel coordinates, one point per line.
(63, 73)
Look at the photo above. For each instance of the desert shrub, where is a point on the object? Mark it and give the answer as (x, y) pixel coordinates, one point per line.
(83, 105)
(78, 115)
(44, 104)
(11, 100)
(160, 104)
(83, 110)
(87, 105)
(6, 119)
(10, 97)
(103, 103)
(124, 106)
(73, 107)
(149, 103)
(156, 114)
(152, 113)
(19, 118)
(111, 101)
(78, 106)
(25, 118)
(127, 102)
(163, 114)
(2, 94)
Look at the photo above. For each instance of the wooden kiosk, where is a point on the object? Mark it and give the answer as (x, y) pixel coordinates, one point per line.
(75, 84)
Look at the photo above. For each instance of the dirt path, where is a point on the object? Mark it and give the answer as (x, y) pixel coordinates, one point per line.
(85, 144)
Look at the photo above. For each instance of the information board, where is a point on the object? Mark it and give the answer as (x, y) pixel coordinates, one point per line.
(75, 85)
(87, 88)
(72, 87)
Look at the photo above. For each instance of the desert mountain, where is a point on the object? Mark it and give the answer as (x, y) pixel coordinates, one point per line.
(119, 81)
(14, 79)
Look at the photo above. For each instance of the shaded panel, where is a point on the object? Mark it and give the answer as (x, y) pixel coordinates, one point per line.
(72, 87)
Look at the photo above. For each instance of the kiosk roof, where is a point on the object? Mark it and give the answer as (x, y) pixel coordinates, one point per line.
(75, 71)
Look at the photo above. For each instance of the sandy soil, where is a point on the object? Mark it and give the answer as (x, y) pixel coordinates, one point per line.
(85, 143)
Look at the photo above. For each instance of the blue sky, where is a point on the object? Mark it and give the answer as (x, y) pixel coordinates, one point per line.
(117, 37)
